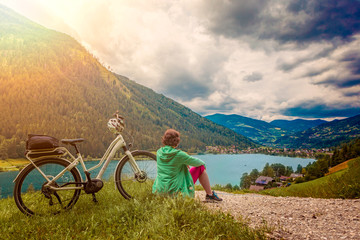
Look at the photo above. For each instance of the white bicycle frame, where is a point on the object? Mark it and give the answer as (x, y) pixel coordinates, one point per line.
(118, 143)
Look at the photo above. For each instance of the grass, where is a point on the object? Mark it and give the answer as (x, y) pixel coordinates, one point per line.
(338, 167)
(148, 217)
(13, 164)
(344, 183)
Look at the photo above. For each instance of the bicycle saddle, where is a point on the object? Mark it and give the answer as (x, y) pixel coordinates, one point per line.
(72, 141)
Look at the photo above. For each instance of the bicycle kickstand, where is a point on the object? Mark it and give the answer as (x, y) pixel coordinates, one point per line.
(94, 198)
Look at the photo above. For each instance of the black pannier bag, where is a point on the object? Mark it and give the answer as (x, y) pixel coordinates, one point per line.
(42, 145)
(39, 142)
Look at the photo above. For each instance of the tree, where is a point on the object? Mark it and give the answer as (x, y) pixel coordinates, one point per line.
(288, 170)
(317, 169)
(245, 181)
(299, 168)
(267, 171)
(279, 169)
(3, 151)
(254, 174)
(228, 186)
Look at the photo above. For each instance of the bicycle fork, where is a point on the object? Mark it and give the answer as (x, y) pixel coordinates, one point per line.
(133, 164)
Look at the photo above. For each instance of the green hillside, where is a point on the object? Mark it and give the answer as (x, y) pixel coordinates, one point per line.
(341, 184)
(297, 125)
(50, 84)
(257, 130)
(325, 135)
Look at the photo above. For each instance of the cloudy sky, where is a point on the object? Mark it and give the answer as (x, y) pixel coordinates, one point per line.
(263, 59)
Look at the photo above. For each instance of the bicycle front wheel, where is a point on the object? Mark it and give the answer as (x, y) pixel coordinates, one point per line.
(131, 184)
(33, 197)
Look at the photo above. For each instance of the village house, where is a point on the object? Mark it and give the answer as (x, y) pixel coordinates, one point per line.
(296, 175)
(263, 180)
(284, 178)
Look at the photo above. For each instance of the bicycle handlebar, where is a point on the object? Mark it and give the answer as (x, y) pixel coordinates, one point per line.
(116, 114)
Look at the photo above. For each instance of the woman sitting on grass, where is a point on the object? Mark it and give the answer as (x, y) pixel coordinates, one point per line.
(173, 173)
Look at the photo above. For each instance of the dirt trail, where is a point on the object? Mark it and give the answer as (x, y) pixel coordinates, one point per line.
(293, 217)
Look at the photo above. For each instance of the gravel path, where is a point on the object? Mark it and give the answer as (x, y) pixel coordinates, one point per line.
(294, 217)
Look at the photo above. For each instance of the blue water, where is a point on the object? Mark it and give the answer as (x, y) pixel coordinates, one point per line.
(222, 169)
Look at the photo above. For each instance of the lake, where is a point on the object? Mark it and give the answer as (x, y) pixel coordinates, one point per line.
(222, 168)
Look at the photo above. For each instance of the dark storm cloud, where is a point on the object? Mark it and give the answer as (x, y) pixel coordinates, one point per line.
(185, 87)
(351, 60)
(295, 21)
(234, 18)
(254, 77)
(289, 66)
(351, 94)
(315, 110)
(327, 19)
(341, 82)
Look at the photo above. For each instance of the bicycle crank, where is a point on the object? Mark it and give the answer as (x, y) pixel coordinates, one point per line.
(93, 186)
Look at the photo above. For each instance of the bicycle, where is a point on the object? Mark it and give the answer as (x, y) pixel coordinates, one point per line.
(51, 183)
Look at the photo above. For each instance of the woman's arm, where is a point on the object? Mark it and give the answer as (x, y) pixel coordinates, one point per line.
(192, 161)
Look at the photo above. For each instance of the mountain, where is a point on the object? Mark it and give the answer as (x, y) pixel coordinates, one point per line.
(257, 130)
(50, 84)
(297, 125)
(325, 135)
(283, 133)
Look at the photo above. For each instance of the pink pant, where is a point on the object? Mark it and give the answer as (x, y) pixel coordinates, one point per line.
(196, 172)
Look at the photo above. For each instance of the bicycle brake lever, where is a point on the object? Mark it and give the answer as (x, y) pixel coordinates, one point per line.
(116, 114)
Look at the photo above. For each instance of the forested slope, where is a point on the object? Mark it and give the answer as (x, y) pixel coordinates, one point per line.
(325, 135)
(50, 84)
(257, 130)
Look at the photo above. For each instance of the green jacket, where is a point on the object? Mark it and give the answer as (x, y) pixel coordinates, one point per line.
(173, 175)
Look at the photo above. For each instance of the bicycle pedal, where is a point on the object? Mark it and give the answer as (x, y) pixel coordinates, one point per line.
(51, 201)
(94, 198)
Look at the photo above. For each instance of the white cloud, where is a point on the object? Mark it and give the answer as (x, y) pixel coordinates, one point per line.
(176, 47)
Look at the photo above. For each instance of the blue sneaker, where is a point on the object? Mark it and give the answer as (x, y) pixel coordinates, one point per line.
(213, 197)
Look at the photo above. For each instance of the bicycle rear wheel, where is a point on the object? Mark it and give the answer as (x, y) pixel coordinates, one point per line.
(32, 197)
(131, 185)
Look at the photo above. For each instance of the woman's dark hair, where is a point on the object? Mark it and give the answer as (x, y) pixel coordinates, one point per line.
(171, 138)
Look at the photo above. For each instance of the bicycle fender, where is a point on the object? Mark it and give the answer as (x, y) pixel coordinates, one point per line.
(16, 178)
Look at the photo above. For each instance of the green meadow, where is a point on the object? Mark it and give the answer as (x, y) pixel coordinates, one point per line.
(113, 217)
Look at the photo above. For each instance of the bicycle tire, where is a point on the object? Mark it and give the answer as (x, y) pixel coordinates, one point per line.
(130, 185)
(30, 196)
